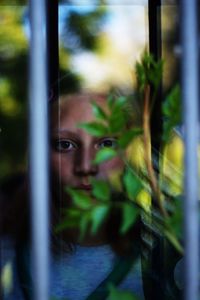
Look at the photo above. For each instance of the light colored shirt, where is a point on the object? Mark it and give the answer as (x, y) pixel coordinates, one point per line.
(73, 276)
(77, 275)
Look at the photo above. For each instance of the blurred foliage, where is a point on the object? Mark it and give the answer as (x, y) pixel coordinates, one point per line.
(13, 2)
(82, 28)
(13, 89)
(6, 277)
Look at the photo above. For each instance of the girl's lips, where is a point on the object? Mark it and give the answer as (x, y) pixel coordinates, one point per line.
(86, 187)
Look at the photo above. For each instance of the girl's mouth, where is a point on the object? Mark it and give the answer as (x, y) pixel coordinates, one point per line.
(86, 187)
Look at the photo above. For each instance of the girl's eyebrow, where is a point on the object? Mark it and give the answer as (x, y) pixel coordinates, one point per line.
(60, 130)
(63, 131)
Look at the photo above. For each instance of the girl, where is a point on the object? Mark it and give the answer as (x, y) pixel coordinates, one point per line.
(88, 268)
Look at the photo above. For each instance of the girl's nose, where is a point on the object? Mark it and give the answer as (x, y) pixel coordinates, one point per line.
(84, 166)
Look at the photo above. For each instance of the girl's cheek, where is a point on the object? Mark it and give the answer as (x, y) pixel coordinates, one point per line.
(55, 161)
(61, 159)
(114, 164)
(62, 168)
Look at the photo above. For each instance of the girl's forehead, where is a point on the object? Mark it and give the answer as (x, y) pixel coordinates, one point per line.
(82, 99)
(73, 102)
(76, 106)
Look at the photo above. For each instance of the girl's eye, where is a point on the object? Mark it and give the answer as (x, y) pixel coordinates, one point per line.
(108, 142)
(64, 145)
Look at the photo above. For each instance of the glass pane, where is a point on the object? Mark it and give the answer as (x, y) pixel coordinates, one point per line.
(99, 46)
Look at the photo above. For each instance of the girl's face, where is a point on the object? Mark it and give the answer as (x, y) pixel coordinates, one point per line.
(73, 149)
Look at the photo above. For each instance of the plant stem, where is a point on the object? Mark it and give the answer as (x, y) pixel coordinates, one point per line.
(150, 170)
(147, 150)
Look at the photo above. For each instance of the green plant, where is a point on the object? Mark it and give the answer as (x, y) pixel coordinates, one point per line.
(164, 213)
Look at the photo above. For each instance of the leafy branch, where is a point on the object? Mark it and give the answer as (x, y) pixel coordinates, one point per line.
(149, 75)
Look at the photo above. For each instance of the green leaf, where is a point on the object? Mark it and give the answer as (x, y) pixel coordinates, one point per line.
(155, 73)
(116, 103)
(94, 128)
(120, 101)
(70, 220)
(73, 212)
(133, 184)
(128, 136)
(149, 71)
(80, 198)
(117, 121)
(63, 225)
(104, 155)
(110, 101)
(130, 214)
(98, 111)
(119, 115)
(84, 225)
(101, 189)
(116, 294)
(98, 216)
(141, 76)
(171, 110)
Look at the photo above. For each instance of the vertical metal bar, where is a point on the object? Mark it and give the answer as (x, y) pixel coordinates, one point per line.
(155, 48)
(39, 169)
(190, 84)
(154, 15)
(52, 45)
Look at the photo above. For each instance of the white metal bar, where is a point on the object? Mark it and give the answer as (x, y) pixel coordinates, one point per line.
(39, 169)
(190, 84)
